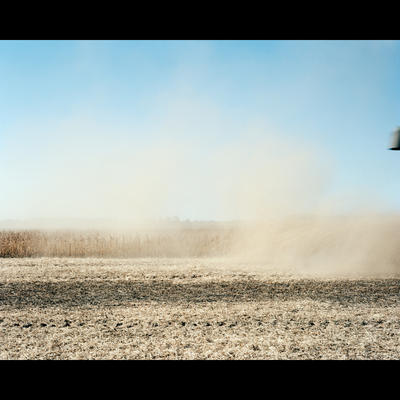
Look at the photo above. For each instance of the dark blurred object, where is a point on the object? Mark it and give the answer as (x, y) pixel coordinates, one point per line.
(395, 140)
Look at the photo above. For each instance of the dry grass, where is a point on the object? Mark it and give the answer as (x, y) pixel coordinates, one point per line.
(65, 308)
(179, 243)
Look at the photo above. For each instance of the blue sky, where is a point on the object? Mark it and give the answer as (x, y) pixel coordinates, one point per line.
(67, 105)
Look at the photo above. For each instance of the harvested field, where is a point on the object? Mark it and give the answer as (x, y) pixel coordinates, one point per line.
(191, 308)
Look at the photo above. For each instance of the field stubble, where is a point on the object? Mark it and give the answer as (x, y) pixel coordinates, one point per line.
(190, 308)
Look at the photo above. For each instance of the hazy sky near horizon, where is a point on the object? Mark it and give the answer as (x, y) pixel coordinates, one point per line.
(197, 129)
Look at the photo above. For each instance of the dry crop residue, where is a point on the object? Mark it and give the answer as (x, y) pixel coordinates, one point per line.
(63, 308)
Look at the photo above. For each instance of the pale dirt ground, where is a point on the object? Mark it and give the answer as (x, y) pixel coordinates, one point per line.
(64, 308)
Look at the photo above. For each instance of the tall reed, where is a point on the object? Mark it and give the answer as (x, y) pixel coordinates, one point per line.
(182, 243)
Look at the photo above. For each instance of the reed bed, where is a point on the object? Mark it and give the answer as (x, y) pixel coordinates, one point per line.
(185, 243)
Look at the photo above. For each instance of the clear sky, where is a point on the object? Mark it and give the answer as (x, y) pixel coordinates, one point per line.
(106, 128)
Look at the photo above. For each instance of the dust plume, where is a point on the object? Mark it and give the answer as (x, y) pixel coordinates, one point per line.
(316, 245)
(294, 220)
(281, 200)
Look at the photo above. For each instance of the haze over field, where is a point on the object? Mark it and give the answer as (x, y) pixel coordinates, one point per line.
(286, 141)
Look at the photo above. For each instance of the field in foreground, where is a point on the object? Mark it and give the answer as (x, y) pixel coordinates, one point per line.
(69, 308)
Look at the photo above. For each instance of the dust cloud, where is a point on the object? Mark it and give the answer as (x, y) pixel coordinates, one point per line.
(280, 198)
